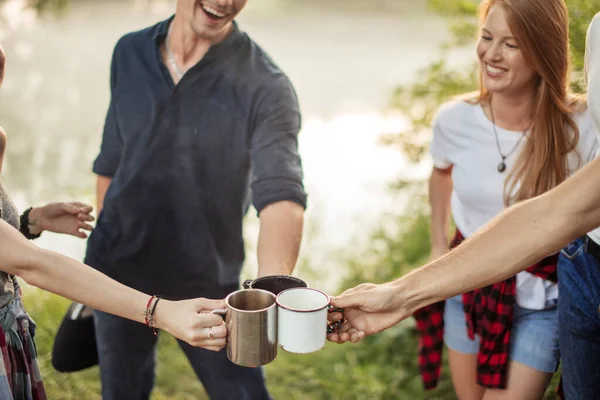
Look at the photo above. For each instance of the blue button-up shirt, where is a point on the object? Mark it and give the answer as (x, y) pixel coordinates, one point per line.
(187, 160)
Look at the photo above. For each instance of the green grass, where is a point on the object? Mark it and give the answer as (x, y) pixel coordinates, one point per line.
(383, 366)
(374, 369)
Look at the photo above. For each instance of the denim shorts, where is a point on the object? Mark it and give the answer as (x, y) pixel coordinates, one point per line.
(533, 340)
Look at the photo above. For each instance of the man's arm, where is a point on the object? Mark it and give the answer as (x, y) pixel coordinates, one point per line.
(279, 239)
(102, 184)
(277, 188)
(513, 241)
(517, 238)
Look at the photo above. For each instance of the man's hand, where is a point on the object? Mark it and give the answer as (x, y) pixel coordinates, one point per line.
(368, 309)
(69, 218)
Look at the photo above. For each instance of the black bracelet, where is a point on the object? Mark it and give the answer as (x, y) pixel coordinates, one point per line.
(151, 319)
(24, 225)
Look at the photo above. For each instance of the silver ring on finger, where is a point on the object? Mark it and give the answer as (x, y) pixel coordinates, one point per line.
(211, 334)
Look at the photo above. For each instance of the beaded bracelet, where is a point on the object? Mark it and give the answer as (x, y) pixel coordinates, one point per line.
(149, 312)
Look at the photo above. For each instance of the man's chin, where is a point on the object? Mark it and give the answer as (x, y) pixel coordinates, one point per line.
(211, 32)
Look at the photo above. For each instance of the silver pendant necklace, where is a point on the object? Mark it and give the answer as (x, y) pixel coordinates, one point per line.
(171, 56)
(502, 165)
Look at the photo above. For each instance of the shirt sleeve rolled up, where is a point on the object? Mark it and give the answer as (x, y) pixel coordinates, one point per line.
(276, 164)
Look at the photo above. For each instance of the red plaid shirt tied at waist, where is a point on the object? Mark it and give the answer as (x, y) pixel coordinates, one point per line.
(489, 314)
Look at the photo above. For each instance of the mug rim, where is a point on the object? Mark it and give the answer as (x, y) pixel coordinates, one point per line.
(229, 306)
(271, 277)
(303, 311)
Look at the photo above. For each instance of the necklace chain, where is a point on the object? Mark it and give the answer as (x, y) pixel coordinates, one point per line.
(502, 165)
(171, 56)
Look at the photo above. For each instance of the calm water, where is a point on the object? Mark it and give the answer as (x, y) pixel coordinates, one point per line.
(344, 58)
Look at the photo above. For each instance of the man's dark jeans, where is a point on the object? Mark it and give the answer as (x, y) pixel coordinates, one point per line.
(579, 321)
(126, 352)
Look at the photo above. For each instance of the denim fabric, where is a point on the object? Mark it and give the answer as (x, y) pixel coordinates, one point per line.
(579, 320)
(127, 356)
(533, 342)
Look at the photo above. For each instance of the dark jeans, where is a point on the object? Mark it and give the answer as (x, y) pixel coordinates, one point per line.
(579, 322)
(126, 352)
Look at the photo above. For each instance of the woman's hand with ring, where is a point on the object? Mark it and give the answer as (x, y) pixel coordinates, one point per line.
(193, 322)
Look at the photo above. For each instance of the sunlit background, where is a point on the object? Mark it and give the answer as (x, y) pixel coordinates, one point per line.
(344, 58)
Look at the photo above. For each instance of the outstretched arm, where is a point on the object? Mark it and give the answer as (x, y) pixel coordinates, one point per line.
(517, 238)
(187, 320)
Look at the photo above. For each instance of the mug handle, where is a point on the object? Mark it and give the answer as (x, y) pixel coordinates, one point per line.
(334, 327)
(247, 284)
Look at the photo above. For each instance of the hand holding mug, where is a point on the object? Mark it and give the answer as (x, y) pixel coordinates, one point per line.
(193, 322)
(368, 309)
(302, 319)
(258, 321)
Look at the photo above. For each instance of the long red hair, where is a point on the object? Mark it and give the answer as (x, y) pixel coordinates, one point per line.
(541, 30)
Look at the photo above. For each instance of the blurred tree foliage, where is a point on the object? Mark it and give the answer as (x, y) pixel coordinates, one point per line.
(42, 6)
(55, 6)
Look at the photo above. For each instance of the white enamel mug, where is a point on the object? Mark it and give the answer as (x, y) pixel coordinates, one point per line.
(302, 319)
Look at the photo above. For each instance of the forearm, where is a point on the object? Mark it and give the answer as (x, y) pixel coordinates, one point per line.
(102, 184)
(66, 277)
(73, 280)
(279, 239)
(516, 239)
(81, 283)
(440, 190)
(498, 251)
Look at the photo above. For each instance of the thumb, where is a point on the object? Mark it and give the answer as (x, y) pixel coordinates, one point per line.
(348, 300)
(202, 304)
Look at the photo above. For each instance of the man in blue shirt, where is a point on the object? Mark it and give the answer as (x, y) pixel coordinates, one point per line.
(201, 123)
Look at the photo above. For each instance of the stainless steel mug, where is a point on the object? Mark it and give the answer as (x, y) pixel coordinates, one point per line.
(274, 283)
(251, 319)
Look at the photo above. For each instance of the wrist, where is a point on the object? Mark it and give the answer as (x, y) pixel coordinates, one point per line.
(161, 315)
(30, 223)
(274, 271)
(410, 296)
(35, 221)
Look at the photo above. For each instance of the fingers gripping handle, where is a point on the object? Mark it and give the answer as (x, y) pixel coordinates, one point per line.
(334, 326)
